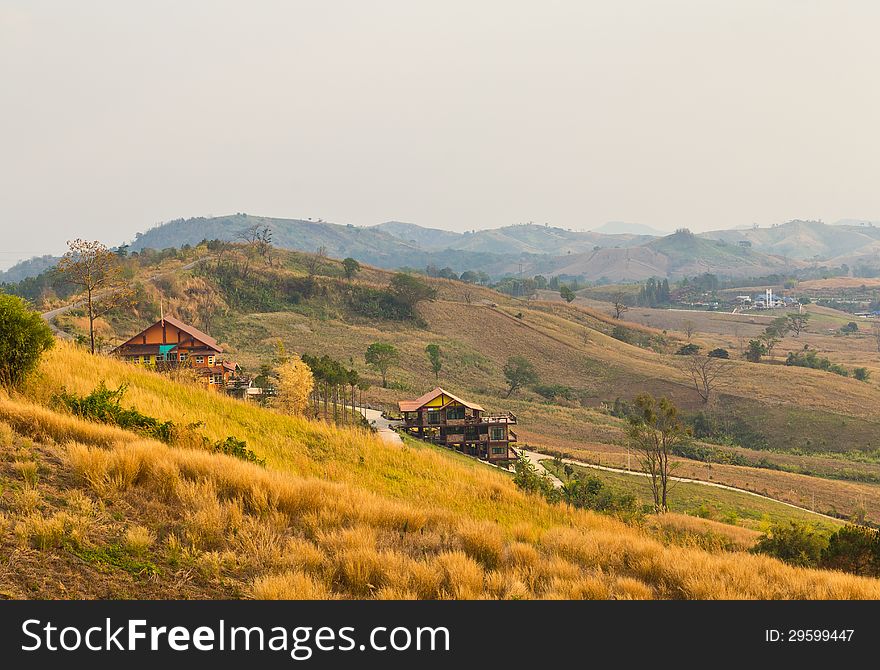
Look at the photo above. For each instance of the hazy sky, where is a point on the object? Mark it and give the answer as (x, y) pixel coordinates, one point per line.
(116, 115)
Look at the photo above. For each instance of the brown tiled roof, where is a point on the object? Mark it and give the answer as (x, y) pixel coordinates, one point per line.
(413, 405)
(177, 323)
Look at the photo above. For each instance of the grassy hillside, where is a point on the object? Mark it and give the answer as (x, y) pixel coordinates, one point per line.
(816, 448)
(335, 513)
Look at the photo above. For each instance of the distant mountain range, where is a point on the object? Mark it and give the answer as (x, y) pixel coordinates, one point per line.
(622, 227)
(616, 251)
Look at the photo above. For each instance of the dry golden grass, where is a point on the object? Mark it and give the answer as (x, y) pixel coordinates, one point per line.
(338, 513)
(704, 533)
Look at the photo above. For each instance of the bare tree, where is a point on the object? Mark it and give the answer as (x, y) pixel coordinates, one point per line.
(797, 322)
(620, 304)
(96, 270)
(315, 260)
(654, 432)
(689, 328)
(258, 244)
(708, 374)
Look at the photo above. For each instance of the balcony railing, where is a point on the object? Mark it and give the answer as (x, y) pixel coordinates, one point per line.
(499, 417)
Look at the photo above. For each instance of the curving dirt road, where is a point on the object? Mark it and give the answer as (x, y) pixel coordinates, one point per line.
(535, 459)
(49, 317)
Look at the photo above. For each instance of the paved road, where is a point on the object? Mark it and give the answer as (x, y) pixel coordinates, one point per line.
(49, 317)
(535, 459)
(382, 425)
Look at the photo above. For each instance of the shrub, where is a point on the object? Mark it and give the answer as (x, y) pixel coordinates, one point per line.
(24, 336)
(376, 303)
(795, 543)
(719, 353)
(861, 374)
(688, 350)
(528, 479)
(590, 493)
(551, 391)
(622, 333)
(810, 359)
(755, 350)
(104, 405)
(854, 549)
(238, 448)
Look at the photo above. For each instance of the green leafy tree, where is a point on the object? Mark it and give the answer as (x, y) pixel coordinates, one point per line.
(380, 356)
(435, 357)
(755, 351)
(567, 294)
(519, 372)
(351, 267)
(24, 336)
(409, 290)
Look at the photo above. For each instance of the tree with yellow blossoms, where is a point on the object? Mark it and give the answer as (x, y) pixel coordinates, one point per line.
(294, 387)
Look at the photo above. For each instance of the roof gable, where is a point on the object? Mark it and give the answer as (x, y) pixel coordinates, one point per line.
(437, 397)
(192, 331)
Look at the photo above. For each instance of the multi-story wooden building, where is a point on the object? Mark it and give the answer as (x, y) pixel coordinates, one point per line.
(172, 343)
(442, 418)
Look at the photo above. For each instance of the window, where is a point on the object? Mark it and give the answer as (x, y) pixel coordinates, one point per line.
(210, 360)
(200, 359)
(455, 412)
(146, 359)
(496, 434)
(183, 356)
(433, 416)
(499, 450)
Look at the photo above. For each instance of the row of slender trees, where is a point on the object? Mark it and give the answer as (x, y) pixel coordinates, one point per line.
(337, 391)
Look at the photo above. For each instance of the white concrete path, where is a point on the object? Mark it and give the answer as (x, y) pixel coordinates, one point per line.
(382, 425)
(535, 459)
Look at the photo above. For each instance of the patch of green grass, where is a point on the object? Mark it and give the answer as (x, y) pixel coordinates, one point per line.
(115, 556)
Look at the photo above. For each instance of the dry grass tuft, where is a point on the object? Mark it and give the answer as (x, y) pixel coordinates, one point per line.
(138, 539)
(290, 585)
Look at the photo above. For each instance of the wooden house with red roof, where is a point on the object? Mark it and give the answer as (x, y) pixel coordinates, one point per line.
(442, 418)
(173, 343)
